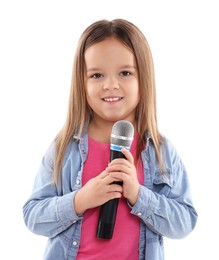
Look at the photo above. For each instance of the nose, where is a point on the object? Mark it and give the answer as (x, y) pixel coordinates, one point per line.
(111, 83)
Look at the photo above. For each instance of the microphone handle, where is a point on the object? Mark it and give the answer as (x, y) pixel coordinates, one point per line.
(114, 155)
(107, 219)
(108, 210)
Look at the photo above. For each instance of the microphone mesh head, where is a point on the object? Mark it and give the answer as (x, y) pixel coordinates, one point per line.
(122, 133)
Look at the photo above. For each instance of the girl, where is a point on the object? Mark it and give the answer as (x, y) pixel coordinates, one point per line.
(112, 80)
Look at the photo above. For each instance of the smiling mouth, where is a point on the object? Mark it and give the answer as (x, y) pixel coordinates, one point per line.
(112, 99)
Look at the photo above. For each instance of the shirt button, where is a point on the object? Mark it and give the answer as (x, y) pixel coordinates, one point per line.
(139, 214)
(78, 181)
(75, 243)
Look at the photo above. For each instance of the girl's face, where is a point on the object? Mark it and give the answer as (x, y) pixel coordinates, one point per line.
(111, 81)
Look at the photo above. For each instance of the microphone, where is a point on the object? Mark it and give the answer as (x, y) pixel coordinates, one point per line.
(121, 136)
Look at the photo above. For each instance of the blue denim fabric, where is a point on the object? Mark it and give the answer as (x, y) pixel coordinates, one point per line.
(164, 204)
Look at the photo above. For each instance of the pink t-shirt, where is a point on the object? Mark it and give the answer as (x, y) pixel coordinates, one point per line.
(125, 241)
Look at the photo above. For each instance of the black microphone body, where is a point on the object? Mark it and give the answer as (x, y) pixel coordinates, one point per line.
(122, 136)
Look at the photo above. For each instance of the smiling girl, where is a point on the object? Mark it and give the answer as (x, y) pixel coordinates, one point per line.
(112, 80)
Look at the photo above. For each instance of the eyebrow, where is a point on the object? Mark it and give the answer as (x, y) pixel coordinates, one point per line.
(93, 69)
(121, 67)
(128, 67)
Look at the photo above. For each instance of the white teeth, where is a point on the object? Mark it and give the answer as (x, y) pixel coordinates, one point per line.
(112, 99)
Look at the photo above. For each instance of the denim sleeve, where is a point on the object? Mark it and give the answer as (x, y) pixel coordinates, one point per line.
(47, 212)
(166, 207)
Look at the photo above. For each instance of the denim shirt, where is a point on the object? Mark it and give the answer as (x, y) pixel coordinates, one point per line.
(164, 203)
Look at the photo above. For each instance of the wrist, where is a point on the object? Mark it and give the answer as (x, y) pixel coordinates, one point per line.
(132, 201)
(78, 205)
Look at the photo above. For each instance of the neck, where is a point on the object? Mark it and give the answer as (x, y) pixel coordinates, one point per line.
(100, 132)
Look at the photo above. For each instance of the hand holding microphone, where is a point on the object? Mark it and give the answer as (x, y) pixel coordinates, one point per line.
(125, 171)
(121, 136)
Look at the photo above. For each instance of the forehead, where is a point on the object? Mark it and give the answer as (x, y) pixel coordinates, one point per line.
(111, 49)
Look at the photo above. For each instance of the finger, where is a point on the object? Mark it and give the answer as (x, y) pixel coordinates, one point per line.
(118, 176)
(115, 188)
(103, 174)
(106, 178)
(120, 161)
(119, 168)
(128, 155)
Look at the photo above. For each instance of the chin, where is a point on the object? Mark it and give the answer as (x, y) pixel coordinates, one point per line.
(118, 118)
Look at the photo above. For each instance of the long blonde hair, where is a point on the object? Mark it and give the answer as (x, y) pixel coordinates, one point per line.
(79, 111)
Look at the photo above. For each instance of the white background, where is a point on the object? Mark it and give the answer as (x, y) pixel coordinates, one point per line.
(37, 45)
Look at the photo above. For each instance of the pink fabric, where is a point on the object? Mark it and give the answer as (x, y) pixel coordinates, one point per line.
(125, 241)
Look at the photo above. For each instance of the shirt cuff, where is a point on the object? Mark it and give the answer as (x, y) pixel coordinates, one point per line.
(65, 209)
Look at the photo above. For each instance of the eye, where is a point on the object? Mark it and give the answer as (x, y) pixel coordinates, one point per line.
(125, 73)
(97, 76)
